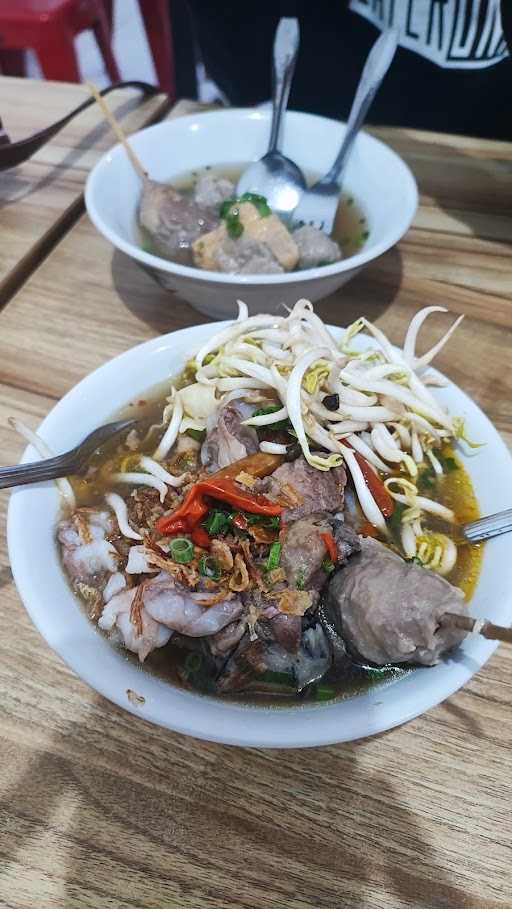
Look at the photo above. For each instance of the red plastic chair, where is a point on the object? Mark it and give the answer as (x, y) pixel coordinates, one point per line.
(157, 23)
(49, 28)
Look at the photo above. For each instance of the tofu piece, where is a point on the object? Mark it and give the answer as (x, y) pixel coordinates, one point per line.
(206, 247)
(269, 232)
(272, 232)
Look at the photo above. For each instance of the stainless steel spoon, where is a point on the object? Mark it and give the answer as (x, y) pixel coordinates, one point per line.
(64, 465)
(275, 176)
(492, 526)
(318, 205)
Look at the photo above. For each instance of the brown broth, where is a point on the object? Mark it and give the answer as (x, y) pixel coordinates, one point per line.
(350, 227)
(454, 490)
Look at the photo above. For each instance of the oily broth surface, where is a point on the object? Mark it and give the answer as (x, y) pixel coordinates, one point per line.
(350, 227)
(454, 490)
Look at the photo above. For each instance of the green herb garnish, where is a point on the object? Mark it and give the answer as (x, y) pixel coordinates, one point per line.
(181, 550)
(277, 678)
(209, 567)
(300, 580)
(448, 463)
(328, 566)
(324, 693)
(274, 557)
(273, 408)
(229, 212)
(395, 521)
(197, 434)
(272, 521)
(217, 522)
(426, 479)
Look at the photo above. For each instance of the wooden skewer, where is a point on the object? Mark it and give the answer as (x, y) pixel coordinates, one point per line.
(480, 626)
(118, 131)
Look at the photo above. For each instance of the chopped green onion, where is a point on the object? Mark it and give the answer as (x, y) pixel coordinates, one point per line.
(181, 550)
(328, 566)
(209, 568)
(259, 202)
(216, 522)
(272, 521)
(273, 427)
(197, 434)
(277, 678)
(300, 580)
(324, 693)
(274, 557)
(449, 464)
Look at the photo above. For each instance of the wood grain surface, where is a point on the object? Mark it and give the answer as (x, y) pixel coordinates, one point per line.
(40, 199)
(100, 810)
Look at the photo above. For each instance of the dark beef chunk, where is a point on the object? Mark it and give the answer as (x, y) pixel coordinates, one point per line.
(389, 609)
(173, 220)
(316, 490)
(304, 549)
(254, 658)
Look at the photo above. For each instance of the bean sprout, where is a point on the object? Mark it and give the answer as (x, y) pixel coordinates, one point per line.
(62, 484)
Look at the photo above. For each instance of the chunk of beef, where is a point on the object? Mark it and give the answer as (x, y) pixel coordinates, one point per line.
(315, 490)
(246, 256)
(315, 247)
(227, 440)
(211, 190)
(304, 551)
(217, 251)
(254, 658)
(389, 609)
(223, 642)
(173, 221)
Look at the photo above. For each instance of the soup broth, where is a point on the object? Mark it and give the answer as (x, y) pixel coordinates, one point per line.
(186, 662)
(350, 227)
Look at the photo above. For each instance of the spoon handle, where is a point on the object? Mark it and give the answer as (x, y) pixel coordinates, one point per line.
(492, 526)
(377, 64)
(286, 47)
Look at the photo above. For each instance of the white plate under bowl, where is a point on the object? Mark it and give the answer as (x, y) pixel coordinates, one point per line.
(34, 511)
(378, 178)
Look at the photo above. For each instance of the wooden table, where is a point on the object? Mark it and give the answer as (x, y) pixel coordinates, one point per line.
(100, 810)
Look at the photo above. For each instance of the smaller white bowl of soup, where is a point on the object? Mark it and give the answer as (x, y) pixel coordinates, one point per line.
(186, 226)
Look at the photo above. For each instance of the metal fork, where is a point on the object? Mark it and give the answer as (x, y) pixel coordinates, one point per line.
(319, 204)
(68, 464)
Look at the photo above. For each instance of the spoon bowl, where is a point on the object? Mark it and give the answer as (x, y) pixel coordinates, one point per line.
(275, 176)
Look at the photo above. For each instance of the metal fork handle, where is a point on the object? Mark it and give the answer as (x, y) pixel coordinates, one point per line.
(492, 526)
(36, 472)
(376, 66)
(286, 48)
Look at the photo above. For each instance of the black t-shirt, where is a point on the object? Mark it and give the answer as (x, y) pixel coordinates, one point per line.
(452, 71)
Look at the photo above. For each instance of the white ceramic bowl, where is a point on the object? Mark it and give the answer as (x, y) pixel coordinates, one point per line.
(377, 177)
(33, 514)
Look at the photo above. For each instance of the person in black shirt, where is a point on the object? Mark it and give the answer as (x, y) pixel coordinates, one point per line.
(452, 71)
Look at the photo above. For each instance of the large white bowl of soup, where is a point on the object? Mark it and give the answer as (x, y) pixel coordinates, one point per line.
(161, 683)
(376, 208)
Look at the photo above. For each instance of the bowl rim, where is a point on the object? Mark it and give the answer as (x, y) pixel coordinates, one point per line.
(403, 221)
(192, 714)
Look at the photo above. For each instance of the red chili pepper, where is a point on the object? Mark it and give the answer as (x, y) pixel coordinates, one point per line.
(194, 507)
(368, 530)
(200, 537)
(330, 545)
(240, 521)
(374, 483)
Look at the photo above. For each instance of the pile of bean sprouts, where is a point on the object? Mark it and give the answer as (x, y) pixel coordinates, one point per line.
(386, 411)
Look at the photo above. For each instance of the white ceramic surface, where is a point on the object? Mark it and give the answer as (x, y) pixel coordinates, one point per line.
(33, 513)
(377, 177)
